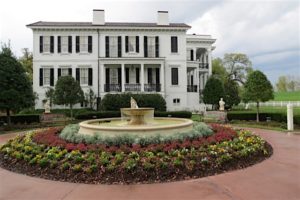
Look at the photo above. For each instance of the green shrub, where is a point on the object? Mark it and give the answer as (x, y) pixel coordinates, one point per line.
(179, 114)
(22, 119)
(279, 117)
(113, 102)
(98, 115)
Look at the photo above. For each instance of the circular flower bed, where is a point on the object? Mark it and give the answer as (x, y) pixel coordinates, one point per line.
(45, 154)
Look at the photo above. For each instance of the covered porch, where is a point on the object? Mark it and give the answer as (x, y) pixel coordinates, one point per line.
(132, 77)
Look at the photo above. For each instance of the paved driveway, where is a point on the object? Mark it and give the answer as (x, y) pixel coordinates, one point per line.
(276, 178)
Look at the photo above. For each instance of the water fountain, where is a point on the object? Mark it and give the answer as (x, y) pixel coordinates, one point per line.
(135, 120)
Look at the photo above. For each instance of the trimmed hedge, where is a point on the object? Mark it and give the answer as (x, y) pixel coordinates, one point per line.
(279, 117)
(55, 111)
(22, 119)
(112, 114)
(179, 114)
(113, 102)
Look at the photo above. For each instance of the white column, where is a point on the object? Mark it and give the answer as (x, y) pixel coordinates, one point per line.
(142, 77)
(102, 78)
(209, 62)
(290, 120)
(123, 77)
(162, 76)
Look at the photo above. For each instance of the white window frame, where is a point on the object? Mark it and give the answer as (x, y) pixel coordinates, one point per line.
(132, 44)
(113, 46)
(151, 46)
(84, 75)
(64, 69)
(83, 43)
(46, 69)
(64, 44)
(46, 44)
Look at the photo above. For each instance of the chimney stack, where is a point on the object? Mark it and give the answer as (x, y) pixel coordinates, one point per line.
(162, 18)
(98, 17)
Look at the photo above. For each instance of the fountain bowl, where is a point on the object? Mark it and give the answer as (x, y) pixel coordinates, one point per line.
(117, 126)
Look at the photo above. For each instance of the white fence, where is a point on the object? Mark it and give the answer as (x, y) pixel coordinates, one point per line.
(274, 103)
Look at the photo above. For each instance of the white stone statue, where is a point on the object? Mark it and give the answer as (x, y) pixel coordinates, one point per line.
(221, 104)
(133, 103)
(47, 106)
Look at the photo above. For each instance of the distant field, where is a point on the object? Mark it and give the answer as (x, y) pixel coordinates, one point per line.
(287, 96)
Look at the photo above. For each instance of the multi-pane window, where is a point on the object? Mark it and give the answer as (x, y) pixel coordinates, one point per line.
(114, 76)
(46, 44)
(83, 44)
(64, 44)
(46, 76)
(174, 76)
(64, 71)
(174, 44)
(84, 76)
(132, 43)
(151, 47)
(113, 46)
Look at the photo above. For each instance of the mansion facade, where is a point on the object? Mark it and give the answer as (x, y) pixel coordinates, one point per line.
(117, 57)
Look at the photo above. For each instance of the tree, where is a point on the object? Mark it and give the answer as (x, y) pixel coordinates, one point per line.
(50, 94)
(281, 85)
(213, 91)
(27, 62)
(231, 93)
(238, 66)
(90, 98)
(68, 92)
(258, 89)
(15, 87)
(218, 70)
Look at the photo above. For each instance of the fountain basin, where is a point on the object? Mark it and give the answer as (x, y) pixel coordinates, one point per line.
(137, 115)
(117, 126)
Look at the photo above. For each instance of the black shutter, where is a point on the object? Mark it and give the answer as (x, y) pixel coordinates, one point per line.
(90, 76)
(107, 75)
(70, 71)
(41, 45)
(157, 74)
(174, 44)
(137, 44)
(51, 77)
(51, 44)
(78, 75)
(90, 44)
(149, 75)
(119, 76)
(58, 73)
(41, 76)
(192, 80)
(77, 44)
(156, 46)
(106, 46)
(119, 46)
(174, 74)
(58, 44)
(145, 47)
(127, 75)
(192, 54)
(126, 44)
(137, 75)
(70, 44)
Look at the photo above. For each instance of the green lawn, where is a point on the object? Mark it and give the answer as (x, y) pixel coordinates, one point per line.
(287, 96)
(266, 109)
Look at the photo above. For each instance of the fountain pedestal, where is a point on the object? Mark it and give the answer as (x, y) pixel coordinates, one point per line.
(137, 115)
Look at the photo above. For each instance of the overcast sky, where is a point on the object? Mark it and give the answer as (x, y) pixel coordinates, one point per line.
(267, 31)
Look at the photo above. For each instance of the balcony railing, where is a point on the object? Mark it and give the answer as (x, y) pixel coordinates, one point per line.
(203, 65)
(191, 88)
(112, 88)
(132, 87)
(152, 87)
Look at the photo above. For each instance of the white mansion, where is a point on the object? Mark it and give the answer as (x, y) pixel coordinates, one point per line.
(114, 57)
